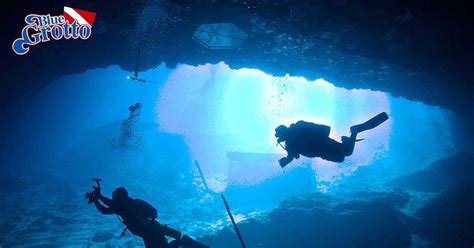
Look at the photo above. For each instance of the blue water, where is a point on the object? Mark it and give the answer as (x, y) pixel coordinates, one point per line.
(224, 119)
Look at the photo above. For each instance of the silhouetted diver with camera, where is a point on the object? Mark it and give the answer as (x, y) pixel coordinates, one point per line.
(312, 140)
(139, 217)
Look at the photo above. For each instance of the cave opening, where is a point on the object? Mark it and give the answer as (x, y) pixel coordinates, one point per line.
(224, 119)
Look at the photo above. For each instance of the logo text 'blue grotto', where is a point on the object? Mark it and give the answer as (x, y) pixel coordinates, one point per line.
(43, 28)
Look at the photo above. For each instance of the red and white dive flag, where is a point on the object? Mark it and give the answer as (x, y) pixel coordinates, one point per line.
(83, 17)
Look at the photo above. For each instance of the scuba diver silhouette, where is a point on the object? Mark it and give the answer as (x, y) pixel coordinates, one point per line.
(139, 217)
(312, 140)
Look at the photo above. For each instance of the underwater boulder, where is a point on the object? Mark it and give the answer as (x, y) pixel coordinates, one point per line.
(440, 175)
(321, 220)
(448, 219)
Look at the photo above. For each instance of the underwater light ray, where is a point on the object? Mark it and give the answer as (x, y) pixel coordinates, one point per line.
(227, 118)
(238, 112)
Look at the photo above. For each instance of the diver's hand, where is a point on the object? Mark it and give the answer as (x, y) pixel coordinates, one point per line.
(284, 161)
(97, 191)
(95, 199)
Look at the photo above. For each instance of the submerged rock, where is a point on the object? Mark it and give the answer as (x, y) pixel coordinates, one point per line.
(448, 219)
(319, 220)
(440, 175)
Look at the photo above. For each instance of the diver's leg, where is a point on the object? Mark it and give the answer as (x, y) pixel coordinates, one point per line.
(153, 240)
(348, 144)
(372, 123)
(173, 244)
(149, 243)
(333, 151)
(188, 242)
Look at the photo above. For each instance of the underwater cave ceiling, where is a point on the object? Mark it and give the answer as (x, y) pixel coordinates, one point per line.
(421, 50)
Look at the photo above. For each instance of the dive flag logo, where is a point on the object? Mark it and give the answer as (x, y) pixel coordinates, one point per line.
(83, 17)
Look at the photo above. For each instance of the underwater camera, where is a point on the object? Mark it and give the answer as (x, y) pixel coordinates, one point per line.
(94, 194)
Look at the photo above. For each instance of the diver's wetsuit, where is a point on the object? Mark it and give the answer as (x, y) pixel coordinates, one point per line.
(131, 213)
(312, 140)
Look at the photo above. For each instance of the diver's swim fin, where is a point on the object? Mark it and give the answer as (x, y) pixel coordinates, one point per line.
(372, 123)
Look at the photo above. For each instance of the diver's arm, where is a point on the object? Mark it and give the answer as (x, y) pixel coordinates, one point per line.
(292, 154)
(102, 209)
(107, 201)
(286, 160)
(98, 196)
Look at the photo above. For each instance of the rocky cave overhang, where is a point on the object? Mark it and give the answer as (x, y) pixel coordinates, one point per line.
(415, 49)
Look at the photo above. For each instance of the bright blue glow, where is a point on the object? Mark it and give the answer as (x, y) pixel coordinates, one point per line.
(220, 111)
